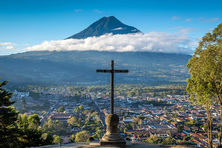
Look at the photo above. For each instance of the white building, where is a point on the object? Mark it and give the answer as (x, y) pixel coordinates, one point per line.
(20, 94)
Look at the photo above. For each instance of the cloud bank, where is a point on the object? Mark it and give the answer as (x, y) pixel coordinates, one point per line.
(148, 42)
(7, 46)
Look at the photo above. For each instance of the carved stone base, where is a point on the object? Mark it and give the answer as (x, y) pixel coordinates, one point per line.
(121, 143)
(112, 136)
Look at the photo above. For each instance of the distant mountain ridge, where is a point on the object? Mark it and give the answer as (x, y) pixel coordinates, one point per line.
(79, 67)
(103, 26)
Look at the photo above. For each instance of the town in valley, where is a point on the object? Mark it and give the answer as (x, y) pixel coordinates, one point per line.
(144, 112)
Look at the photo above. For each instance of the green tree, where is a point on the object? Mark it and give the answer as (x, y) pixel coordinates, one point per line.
(154, 139)
(86, 121)
(205, 127)
(34, 121)
(168, 141)
(79, 122)
(72, 121)
(54, 127)
(22, 121)
(118, 93)
(82, 136)
(23, 103)
(50, 123)
(205, 68)
(61, 109)
(131, 93)
(120, 112)
(47, 138)
(57, 139)
(72, 138)
(77, 110)
(129, 126)
(32, 137)
(154, 94)
(43, 112)
(180, 128)
(98, 132)
(30, 133)
(81, 108)
(8, 117)
(78, 93)
(86, 112)
(169, 133)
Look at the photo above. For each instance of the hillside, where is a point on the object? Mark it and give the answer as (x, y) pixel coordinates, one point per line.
(79, 67)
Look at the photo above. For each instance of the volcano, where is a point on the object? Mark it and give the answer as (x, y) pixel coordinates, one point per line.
(103, 26)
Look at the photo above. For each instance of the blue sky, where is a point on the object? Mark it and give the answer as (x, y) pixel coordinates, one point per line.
(25, 23)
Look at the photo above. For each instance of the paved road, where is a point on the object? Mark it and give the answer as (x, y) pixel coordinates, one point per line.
(102, 115)
(49, 111)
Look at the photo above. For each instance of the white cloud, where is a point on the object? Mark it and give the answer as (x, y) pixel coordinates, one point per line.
(175, 28)
(185, 31)
(25, 44)
(151, 42)
(175, 18)
(188, 20)
(201, 18)
(78, 10)
(212, 19)
(7, 45)
(98, 11)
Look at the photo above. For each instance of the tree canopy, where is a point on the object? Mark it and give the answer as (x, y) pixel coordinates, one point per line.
(82, 136)
(57, 139)
(61, 109)
(8, 117)
(72, 121)
(205, 67)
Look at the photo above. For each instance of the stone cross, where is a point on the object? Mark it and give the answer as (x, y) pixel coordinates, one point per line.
(112, 71)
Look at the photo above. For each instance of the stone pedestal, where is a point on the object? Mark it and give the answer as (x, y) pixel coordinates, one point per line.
(112, 136)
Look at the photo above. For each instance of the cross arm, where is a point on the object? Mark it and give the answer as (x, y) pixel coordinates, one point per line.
(109, 71)
(103, 70)
(121, 71)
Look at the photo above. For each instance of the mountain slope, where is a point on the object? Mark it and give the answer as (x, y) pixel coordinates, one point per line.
(103, 26)
(79, 67)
